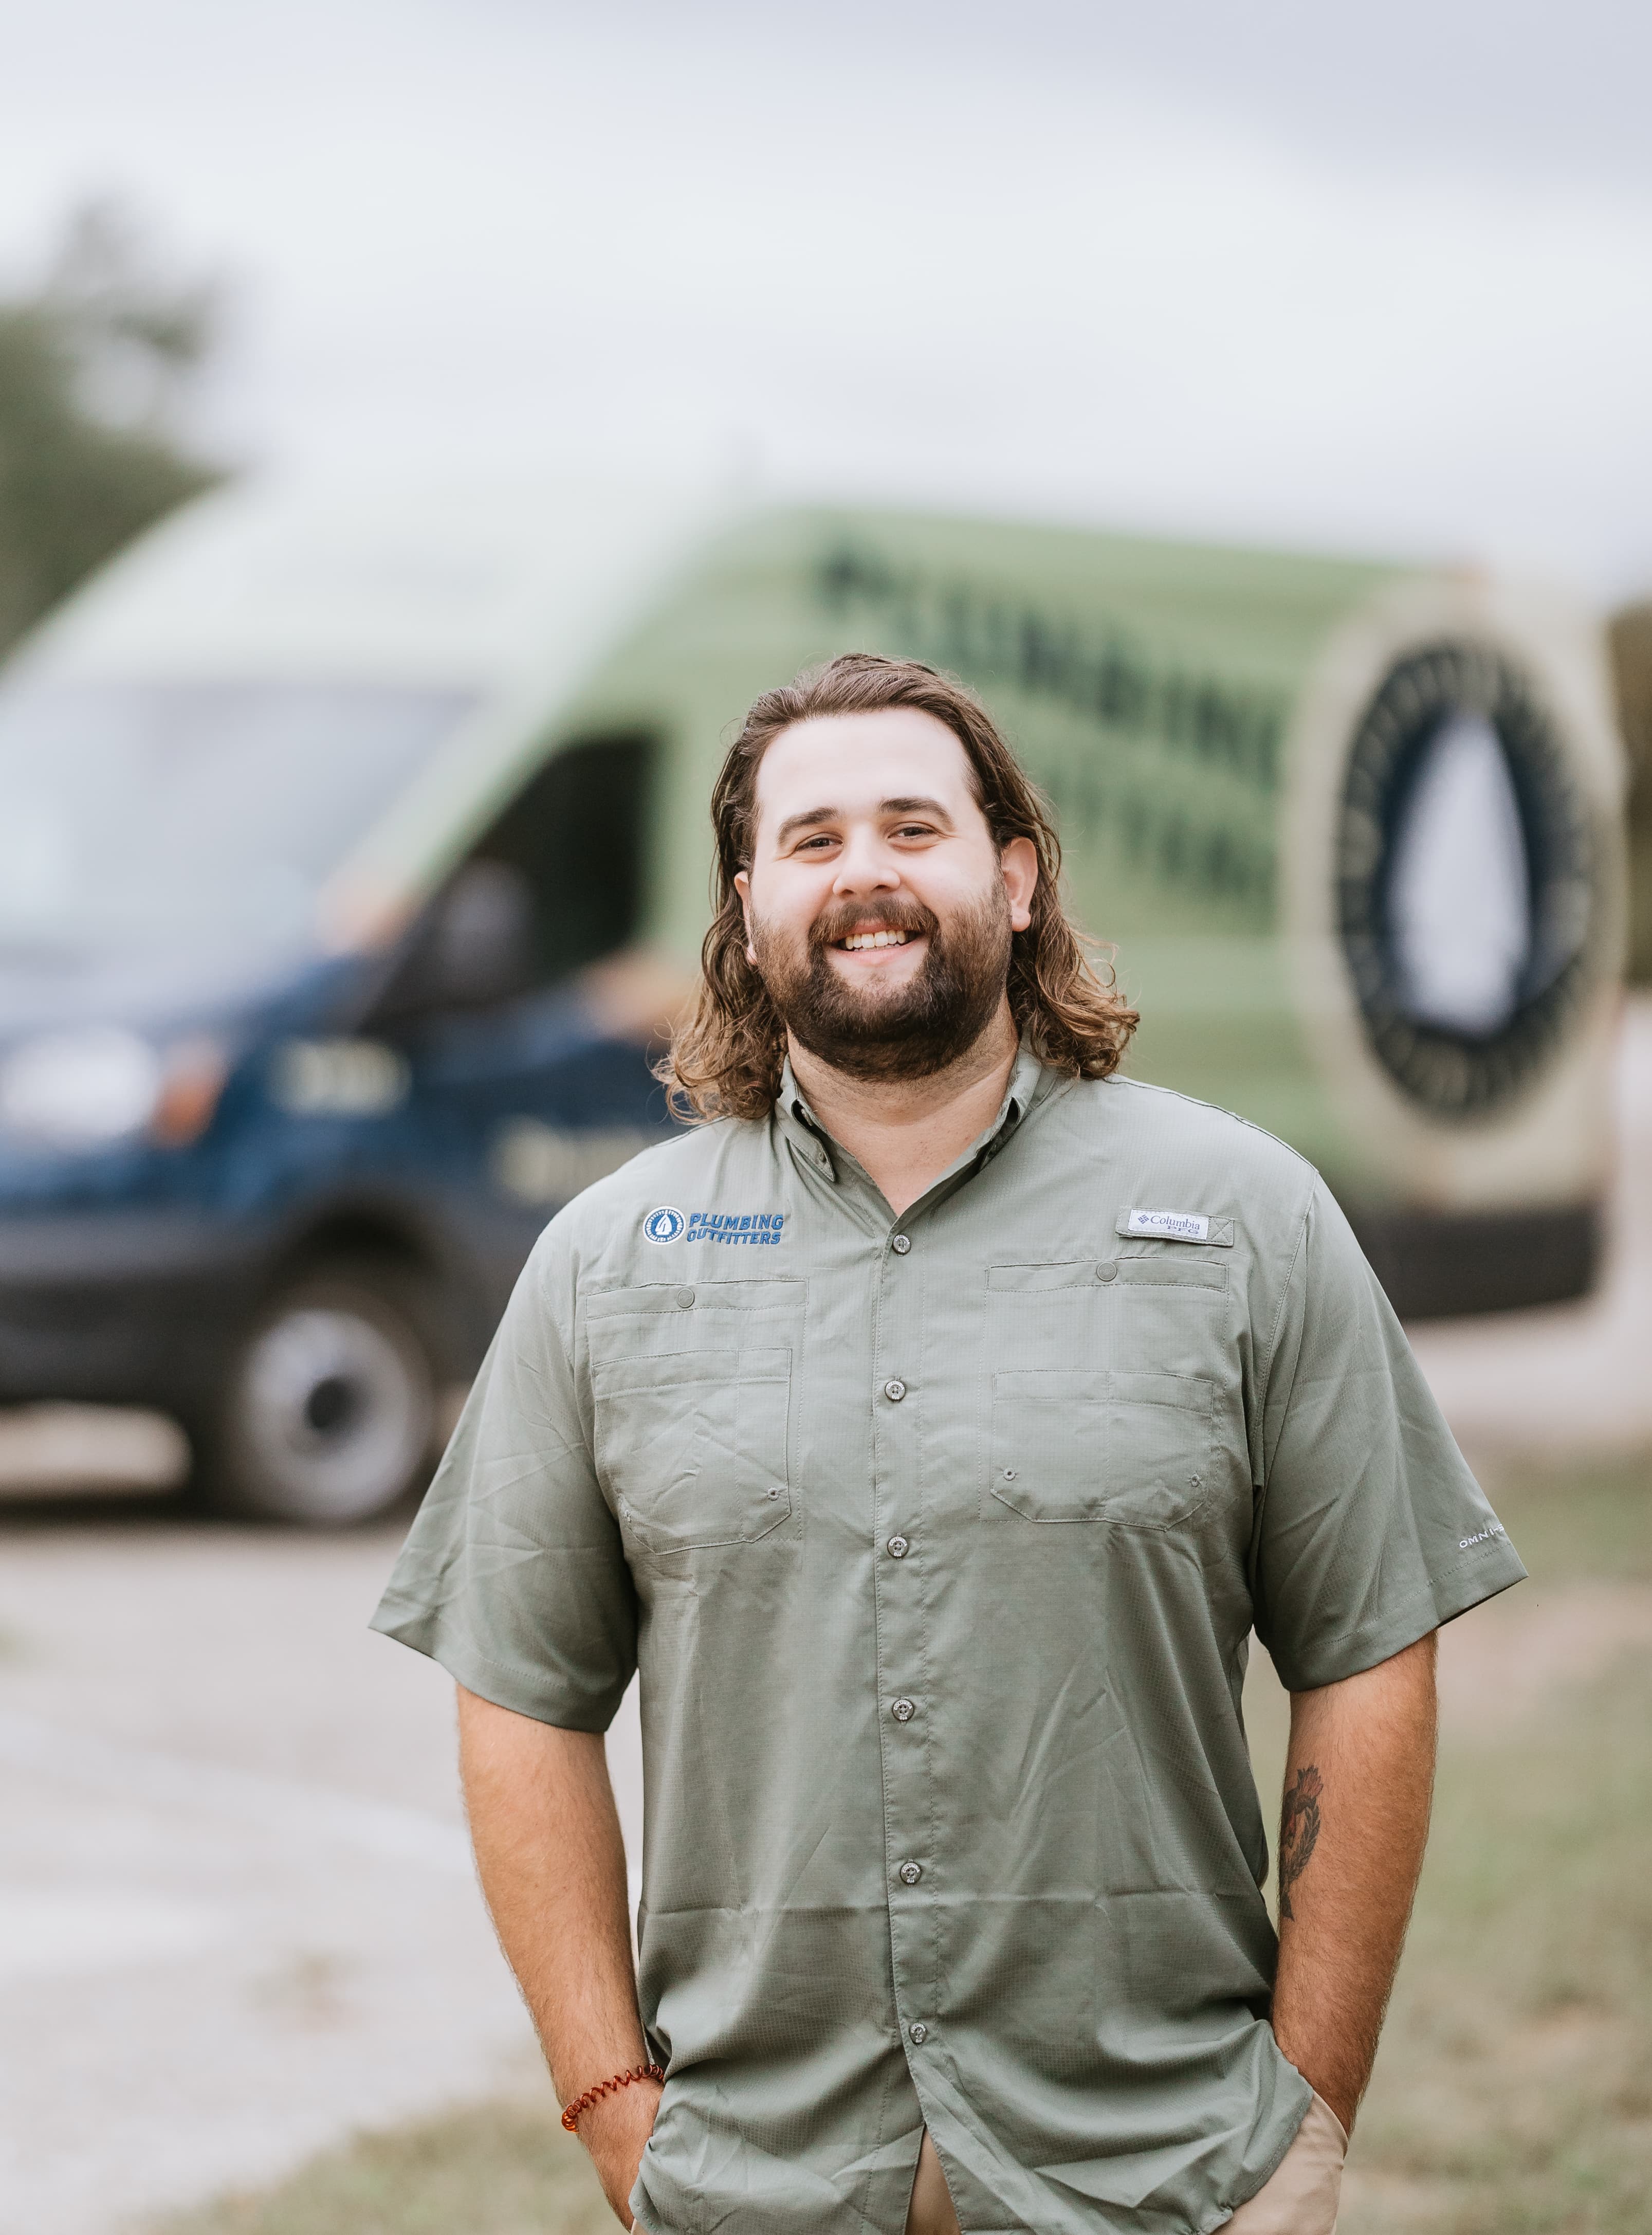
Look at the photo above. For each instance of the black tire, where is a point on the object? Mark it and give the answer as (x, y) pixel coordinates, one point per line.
(327, 1411)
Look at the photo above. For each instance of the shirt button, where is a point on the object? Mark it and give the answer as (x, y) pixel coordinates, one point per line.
(920, 2032)
(684, 1299)
(894, 1391)
(901, 1244)
(1107, 1269)
(898, 1547)
(904, 1710)
(910, 1873)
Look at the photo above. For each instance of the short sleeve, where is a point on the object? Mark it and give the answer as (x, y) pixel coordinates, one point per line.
(1371, 1532)
(513, 1577)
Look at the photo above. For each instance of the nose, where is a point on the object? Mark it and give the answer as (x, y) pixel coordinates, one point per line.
(866, 865)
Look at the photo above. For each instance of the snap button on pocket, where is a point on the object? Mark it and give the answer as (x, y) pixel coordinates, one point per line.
(1107, 1269)
(683, 1299)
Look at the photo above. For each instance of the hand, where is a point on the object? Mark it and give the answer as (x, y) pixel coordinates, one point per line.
(614, 2131)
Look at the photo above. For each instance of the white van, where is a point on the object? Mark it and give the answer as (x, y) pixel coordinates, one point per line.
(354, 851)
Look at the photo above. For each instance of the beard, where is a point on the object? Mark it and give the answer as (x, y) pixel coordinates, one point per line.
(908, 1031)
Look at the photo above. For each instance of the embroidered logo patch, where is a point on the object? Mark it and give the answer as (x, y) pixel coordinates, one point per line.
(668, 1224)
(1169, 1225)
(748, 1226)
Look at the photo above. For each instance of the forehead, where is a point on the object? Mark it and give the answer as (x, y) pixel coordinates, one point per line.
(852, 762)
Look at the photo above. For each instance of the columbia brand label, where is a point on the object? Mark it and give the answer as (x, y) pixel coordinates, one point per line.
(751, 1228)
(1169, 1225)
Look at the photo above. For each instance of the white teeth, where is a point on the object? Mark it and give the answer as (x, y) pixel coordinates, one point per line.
(860, 939)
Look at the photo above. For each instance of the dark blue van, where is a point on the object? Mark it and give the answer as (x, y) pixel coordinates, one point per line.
(304, 858)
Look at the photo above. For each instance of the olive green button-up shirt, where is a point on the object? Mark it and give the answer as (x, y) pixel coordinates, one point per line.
(938, 1541)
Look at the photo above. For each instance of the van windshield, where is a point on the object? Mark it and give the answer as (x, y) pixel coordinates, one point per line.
(148, 812)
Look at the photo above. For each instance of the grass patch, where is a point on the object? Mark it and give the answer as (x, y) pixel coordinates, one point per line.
(492, 2169)
(1513, 2094)
(1591, 1521)
(1514, 2089)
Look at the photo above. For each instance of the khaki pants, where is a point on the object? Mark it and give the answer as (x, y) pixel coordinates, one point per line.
(1302, 2196)
(1299, 2198)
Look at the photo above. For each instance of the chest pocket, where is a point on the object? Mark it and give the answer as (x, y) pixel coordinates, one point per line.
(692, 1444)
(1132, 1449)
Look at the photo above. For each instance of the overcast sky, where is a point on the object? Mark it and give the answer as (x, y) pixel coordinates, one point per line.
(1375, 279)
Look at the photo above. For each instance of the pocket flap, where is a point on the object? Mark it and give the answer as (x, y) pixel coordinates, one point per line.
(1079, 1272)
(1162, 1269)
(665, 1296)
(1169, 1269)
(671, 1369)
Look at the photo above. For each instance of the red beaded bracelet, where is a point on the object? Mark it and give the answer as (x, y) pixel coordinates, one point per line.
(571, 2116)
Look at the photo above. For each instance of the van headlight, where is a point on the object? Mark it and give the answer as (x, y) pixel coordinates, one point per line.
(80, 1089)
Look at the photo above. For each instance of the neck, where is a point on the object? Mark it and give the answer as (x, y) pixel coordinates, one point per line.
(906, 1131)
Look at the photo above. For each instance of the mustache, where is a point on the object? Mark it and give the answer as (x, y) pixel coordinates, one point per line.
(842, 918)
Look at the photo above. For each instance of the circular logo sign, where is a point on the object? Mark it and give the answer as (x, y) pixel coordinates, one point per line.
(1465, 880)
(664, 1224)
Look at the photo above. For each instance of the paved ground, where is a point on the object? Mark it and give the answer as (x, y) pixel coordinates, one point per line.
(237, 1917)
(237, 1914)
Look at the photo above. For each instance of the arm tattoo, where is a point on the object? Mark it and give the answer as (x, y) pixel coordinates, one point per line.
(1298, 1832)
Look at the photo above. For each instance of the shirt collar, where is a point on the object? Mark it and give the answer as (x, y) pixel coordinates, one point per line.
(1030, 1082)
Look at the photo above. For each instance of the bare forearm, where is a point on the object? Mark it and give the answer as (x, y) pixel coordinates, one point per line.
(552, 1866)
(1358, 1785)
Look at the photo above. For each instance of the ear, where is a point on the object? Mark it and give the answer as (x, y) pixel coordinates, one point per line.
(743, 887)
(1018, 861)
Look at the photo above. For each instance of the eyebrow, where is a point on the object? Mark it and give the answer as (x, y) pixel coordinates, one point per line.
(816, 815)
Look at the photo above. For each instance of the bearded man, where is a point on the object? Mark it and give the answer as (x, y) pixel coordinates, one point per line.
(931, 1425)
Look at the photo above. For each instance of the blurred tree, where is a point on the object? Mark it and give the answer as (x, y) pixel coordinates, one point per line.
(95, 366)
(1631, 644)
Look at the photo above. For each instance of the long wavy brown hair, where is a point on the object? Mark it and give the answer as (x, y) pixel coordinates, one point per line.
(725, 1059)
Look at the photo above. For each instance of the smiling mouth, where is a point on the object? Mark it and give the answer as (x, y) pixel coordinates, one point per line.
(858, 941)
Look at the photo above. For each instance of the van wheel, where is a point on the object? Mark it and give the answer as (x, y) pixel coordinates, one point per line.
(327, 1413)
